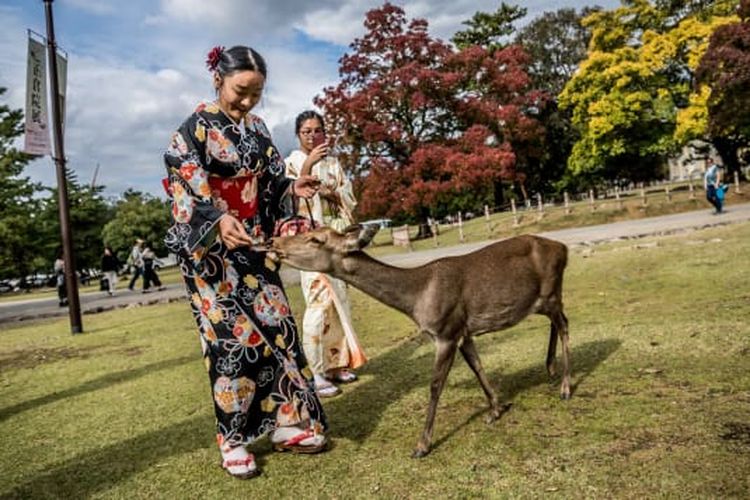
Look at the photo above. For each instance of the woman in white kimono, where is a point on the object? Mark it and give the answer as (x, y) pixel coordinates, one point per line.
(329, 341)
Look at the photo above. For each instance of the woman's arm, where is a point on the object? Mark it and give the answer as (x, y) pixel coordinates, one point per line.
(196, 218)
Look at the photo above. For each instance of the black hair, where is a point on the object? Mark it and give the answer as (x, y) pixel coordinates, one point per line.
(308, 115)
(240, 58)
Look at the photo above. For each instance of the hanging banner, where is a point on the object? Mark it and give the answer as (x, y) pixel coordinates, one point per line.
(62, 82)
(37, 124)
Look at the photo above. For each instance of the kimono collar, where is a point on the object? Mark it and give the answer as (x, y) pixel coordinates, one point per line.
(213, 109)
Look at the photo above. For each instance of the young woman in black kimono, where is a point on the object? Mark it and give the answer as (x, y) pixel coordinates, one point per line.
(228, 190)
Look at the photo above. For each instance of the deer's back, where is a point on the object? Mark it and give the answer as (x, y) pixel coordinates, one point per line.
(496, 286)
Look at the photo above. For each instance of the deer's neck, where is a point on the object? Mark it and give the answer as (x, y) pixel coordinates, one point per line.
(394, 286)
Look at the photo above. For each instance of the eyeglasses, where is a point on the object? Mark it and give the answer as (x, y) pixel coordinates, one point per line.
(307, 131)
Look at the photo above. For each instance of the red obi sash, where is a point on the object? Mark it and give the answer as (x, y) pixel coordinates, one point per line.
(239, 193)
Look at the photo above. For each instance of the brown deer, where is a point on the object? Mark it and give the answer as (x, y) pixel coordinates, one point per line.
(451, 299)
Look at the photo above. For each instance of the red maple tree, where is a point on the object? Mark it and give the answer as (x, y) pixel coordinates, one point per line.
(418, 121)
(725, 67)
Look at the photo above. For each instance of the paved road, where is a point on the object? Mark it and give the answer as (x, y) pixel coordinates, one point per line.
(664, 224)
(99, 301)
(91, 302)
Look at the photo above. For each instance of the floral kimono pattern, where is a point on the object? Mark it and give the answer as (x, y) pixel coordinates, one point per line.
(258, 374)
(330, 342)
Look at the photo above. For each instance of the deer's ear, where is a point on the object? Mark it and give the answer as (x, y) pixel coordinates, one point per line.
(359, 236)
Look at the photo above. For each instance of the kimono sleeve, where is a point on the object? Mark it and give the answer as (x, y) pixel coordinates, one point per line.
(346, 194)
(195, 217)
(292, 170)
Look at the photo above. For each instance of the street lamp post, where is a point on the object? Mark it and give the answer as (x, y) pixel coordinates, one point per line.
(71, 280)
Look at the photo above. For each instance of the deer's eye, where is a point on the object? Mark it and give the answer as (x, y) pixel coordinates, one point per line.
(315, 240)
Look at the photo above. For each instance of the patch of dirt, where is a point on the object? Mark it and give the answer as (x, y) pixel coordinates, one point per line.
(33, 357)
(645, 445)
(130, 351)
(627, 445)
(738, 433)
(30, 358)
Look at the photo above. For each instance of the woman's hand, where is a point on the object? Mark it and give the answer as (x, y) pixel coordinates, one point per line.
(316, 154)
(305, 186)
(330, 195)
(233, 233)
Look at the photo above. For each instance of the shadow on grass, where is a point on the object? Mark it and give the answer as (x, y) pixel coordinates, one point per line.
(356, 413)
(354, 416)
(583, 359)
(94, 385)
(97, 470)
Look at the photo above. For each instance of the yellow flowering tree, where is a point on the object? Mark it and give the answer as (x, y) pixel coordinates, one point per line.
(633, 100)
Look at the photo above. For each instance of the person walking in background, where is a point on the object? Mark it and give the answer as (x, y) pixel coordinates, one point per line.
(329, 340)
(149, 272)
(110, 268)
(228, 192)
(62, 289)
(712, 184)
(135, 259)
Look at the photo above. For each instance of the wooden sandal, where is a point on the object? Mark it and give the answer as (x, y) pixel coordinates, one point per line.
(293, 444)
(327, 390)
(246, 462)
(344, 377)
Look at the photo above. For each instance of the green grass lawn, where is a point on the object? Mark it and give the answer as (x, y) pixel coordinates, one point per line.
(660, 408)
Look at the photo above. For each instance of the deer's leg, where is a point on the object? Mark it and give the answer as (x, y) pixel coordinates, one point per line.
(469, 352)
(445, 353)
(551, 350)
(562, 328)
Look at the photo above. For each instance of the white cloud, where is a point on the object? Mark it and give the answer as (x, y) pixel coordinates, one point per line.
(339, 24)
(342, 20)
(131, 86)
(216, 11)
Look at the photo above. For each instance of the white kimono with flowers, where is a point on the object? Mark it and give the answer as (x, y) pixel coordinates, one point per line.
(328, 336)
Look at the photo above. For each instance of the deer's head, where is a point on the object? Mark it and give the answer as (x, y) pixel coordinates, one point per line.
(322, 249)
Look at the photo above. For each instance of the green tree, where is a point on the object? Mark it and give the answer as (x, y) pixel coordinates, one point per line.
(137, 215)
(89, 212)
(556, 42)
(627, 95)
(489, 30)
(19, 231)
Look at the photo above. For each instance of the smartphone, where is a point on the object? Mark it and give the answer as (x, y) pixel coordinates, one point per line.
(318, 139)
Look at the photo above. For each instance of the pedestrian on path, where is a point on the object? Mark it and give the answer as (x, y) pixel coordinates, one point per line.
(62, 289)
(149, 269)
(712, 184)
(135, 260)
(110, 268)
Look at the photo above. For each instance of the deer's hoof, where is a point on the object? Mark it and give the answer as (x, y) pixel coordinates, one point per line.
(564, 396)
(497, 412)
(419, 453)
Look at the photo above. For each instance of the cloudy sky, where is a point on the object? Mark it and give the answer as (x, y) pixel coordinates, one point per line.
(136, 68)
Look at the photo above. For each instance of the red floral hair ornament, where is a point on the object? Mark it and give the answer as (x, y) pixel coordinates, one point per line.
(212, 61)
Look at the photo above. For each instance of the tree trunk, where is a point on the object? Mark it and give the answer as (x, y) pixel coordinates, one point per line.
(425, 231)
(498, 194)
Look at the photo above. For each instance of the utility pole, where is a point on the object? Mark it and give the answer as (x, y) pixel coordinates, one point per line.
(93, 179)
(71, 280)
